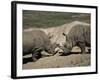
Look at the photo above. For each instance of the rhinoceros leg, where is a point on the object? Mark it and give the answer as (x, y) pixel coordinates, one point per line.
(82, 46)
(36, 54)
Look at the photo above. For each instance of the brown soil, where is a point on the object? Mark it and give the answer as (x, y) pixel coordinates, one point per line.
(73, 60)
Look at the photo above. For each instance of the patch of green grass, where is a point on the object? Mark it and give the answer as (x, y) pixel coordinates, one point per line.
(46, 19)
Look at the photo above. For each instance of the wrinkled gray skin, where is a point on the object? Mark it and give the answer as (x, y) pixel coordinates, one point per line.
(78, 36)
(36, 41)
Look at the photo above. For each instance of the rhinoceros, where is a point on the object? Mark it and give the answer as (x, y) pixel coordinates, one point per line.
(79, 36)
(36, 41)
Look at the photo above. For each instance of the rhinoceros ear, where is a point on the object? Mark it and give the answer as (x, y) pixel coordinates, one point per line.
(50, 36)
(65, 35)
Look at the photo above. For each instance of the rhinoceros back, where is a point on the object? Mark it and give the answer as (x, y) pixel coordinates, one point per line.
(80, 33)
(34, 39)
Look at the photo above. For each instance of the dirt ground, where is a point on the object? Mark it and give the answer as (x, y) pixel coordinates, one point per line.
(75, 59)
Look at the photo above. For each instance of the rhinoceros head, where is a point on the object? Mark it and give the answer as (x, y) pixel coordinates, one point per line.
(51, 49)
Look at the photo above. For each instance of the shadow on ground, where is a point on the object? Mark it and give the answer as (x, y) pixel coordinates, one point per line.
(26, 60)
(73, 53)
(29, 59)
